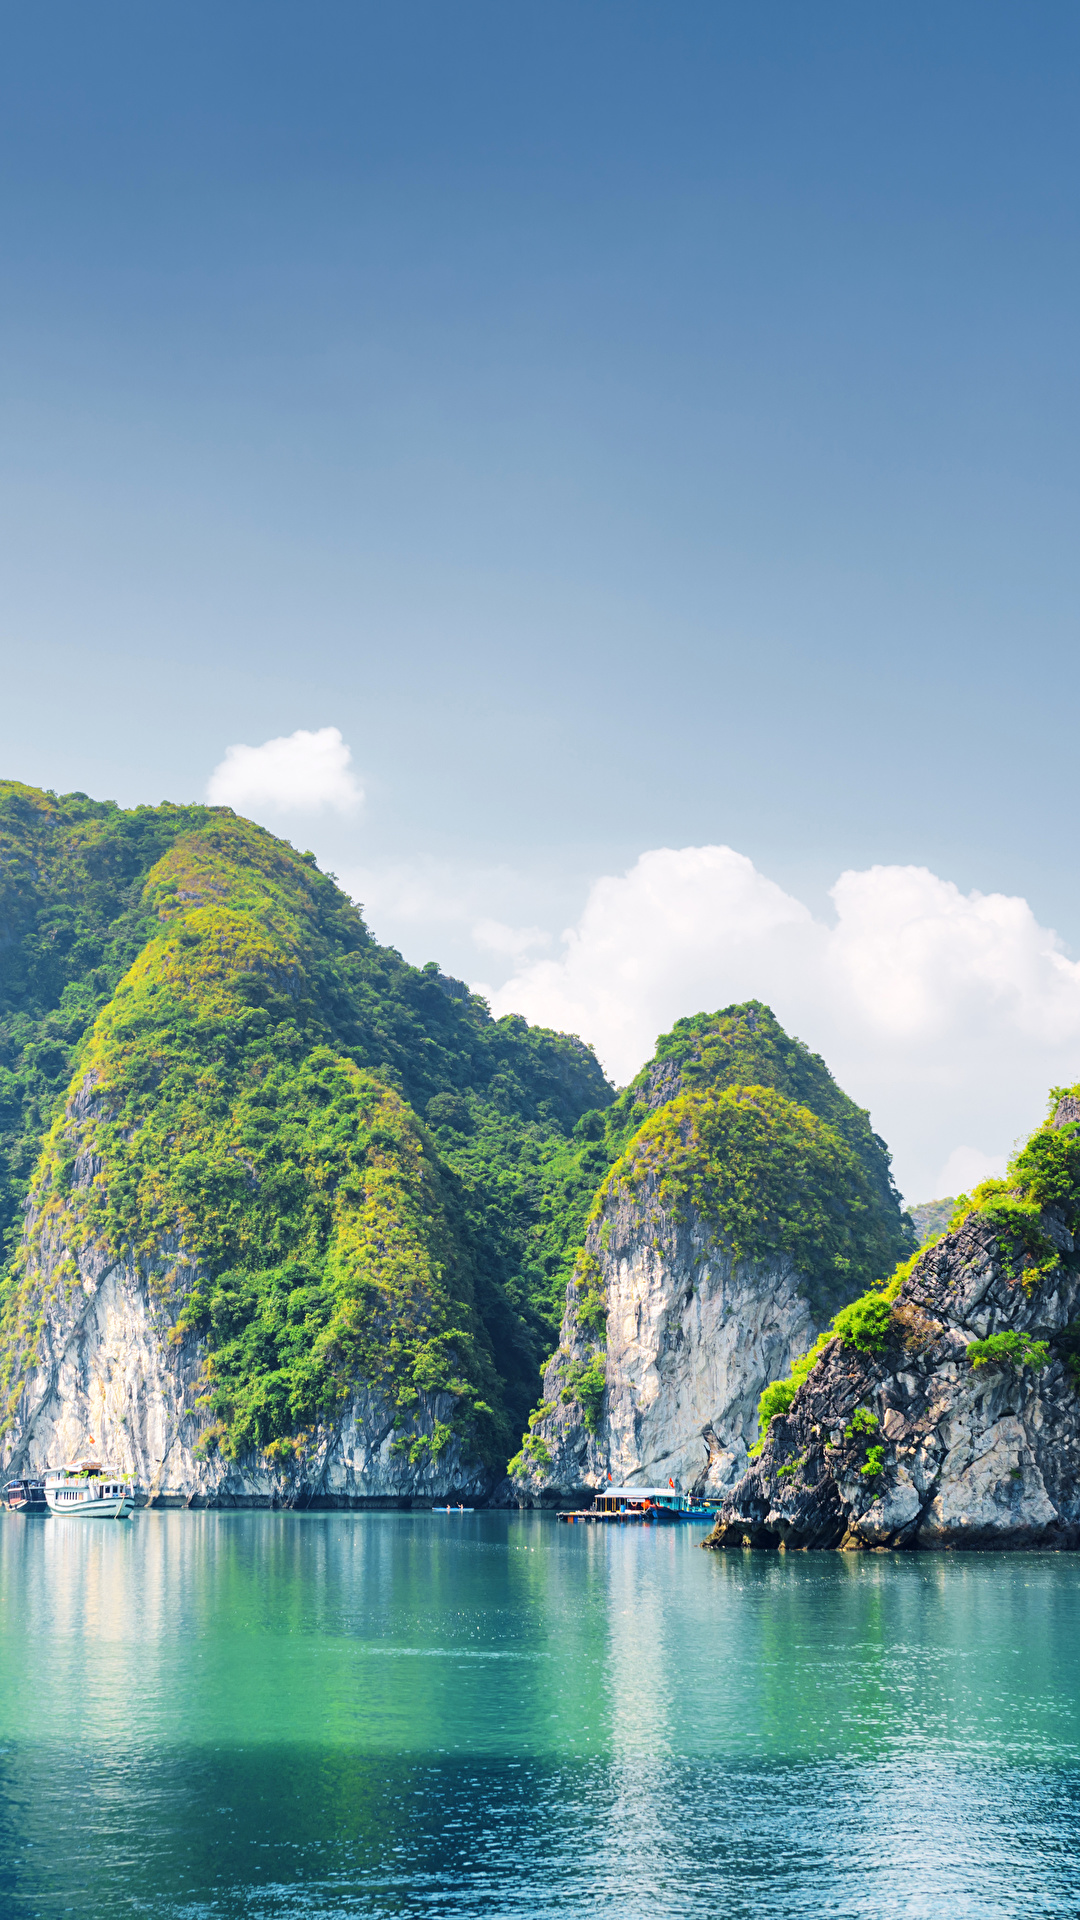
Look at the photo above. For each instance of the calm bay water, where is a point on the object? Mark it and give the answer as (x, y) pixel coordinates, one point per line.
(270, 1715)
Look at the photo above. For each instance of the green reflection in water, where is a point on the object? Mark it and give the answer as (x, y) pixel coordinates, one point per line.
(269, 1714)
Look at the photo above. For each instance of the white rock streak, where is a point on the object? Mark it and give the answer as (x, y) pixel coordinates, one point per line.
(691, 1339)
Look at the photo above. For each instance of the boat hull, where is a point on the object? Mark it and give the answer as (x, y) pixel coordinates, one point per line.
(93, 1509)
(658, 1517)
(23, 1499)
(87, 1506)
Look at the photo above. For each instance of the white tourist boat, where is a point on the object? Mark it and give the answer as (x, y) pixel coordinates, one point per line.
(85, 1490)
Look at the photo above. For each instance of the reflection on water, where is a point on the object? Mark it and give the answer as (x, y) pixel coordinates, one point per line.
(218, 1715)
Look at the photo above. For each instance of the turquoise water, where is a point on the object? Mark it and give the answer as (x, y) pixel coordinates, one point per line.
(270, 1715)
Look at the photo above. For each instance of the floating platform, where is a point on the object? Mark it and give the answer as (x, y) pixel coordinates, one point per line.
(653, 1506)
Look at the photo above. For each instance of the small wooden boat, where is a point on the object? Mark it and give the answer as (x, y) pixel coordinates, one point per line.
(26, 1496)
(85, 1490)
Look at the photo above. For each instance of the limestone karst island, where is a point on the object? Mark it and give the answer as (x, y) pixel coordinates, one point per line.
(290, 1223)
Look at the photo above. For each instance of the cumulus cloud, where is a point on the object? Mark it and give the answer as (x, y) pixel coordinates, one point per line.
(947, 1014)
(965, 1167)
(494, 936)
(434, 906)
(301, 772)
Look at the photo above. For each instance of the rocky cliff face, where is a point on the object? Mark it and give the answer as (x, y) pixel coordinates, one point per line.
(916, 1446)
(692, 1336)
(114, 1380)
(731, 1229)
(110, 1373)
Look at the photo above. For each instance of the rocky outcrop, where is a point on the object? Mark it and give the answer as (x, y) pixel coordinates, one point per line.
(690, 1337)
(917, 1446)
(111, 1374)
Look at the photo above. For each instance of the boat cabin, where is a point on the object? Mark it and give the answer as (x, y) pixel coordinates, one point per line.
(26, 1496)
(82, 1480)
(85, 1487)
(643, 1503)
(640, 1500)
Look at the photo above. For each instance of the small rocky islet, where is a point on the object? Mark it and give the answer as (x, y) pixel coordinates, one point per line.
(287, 1221)
(947, 1412)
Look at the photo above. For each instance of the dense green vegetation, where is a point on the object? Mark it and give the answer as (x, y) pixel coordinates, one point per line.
(743, 1046)
(1010, 1348)
(771, 1177)
(1045, 1172)
(225, 994)
(72, 921)
(739, 1046)
(376, 1179)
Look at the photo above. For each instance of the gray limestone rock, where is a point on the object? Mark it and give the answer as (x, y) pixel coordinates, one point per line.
(965, 1456)
(692, 1336)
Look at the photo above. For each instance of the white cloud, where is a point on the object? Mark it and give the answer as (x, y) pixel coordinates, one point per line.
(651, 941)
(494, 936)
(300, 773)
(947, 1014)
(964, 1168)
(438, 907)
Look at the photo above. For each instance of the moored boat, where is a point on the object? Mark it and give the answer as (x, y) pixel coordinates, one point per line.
(660, 1506)
(85, 1490)
(26, 1496)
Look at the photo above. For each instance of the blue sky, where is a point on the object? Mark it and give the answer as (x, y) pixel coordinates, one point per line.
(631, 426)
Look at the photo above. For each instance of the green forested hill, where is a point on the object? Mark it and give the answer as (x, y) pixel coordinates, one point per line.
(741, 1129)
(740, 1046)
(214, 980)
(378, 1180)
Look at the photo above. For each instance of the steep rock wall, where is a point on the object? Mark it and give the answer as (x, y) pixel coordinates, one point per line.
(111, 1375)
(970, 1456)
(691, 1337)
